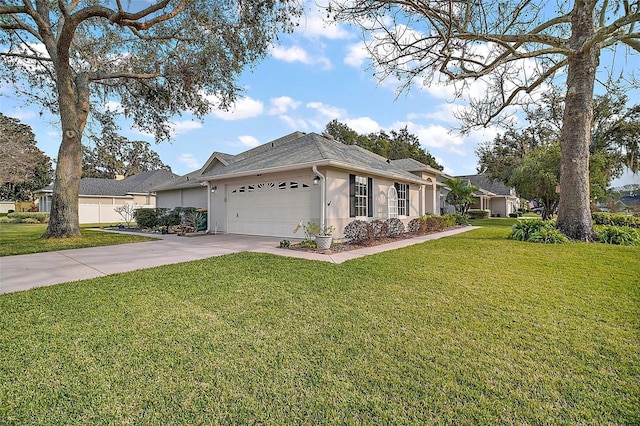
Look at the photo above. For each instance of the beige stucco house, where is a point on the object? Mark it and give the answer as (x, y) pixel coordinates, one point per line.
(495, 197)
(301, 177)
(98, 197)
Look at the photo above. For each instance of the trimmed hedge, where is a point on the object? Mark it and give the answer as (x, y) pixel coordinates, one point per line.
(478, 214)
(615, 219)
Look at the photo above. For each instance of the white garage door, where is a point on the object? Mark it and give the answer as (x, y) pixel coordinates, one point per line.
(271, 208)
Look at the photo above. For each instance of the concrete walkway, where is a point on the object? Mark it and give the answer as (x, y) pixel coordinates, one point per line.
(28, 271)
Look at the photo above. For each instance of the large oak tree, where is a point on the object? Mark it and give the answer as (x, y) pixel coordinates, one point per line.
(516, 46)
(156, 58)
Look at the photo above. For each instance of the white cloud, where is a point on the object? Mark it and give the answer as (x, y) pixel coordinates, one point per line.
(294, 123)
(113, 106)
(356, 55)
(185, 126)
(190, 161)
(327, 111)
(315, 25)
(243, 108)
(291, 54)
(283, 104)
(298, 54)
(363, 125)
(248, 141)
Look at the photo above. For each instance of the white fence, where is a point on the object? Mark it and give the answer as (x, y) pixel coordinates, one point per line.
(103, 213)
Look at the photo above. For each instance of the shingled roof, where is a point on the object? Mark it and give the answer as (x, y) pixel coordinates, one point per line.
(301, 150)
(485, 183)
(137, 184)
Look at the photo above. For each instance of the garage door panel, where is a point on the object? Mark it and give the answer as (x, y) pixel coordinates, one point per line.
(269, 208)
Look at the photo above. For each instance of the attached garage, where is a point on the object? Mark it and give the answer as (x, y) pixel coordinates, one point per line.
(271, 207)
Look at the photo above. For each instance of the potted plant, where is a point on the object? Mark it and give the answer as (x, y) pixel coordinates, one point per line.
(324, 237)
(322, 234)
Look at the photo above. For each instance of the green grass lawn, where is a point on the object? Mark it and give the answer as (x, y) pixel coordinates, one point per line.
(25, 238)
(471, 329)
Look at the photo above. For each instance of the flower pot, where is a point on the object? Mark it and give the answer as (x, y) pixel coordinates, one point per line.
(324, 241)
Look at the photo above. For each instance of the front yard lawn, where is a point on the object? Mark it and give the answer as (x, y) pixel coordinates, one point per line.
(18, 238)
(470, 329)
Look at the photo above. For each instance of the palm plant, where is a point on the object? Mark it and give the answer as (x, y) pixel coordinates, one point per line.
(460, 194)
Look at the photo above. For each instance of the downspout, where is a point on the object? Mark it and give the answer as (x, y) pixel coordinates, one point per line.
(208, 207)
(323, 196)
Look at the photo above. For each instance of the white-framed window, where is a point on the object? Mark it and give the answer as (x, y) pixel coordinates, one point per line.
(403, 198)
(392, 198)
(360, 196)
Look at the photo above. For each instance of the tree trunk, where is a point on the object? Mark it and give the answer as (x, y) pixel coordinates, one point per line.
(73, 99)
(574, 214)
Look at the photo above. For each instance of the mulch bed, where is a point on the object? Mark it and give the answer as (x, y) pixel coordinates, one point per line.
(342, 247)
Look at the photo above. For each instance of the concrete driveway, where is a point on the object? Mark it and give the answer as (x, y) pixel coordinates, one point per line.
(28, 271)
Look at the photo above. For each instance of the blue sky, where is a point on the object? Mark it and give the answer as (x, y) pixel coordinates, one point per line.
(316, 75)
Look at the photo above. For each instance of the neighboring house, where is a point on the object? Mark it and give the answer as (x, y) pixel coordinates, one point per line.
(6, 206)
(494, 196)
(301, 177)
(99, 197)
(188, 190)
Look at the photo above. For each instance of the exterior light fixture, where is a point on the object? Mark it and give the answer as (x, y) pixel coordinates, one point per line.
(316, 180)
(213, 189)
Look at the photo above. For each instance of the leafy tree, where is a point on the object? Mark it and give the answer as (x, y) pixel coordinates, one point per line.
(615, 138)
(537, 177)
(515, 47)
(113, 155)
(155, 58)
(24, 168)
(460, 194)
(394, 146)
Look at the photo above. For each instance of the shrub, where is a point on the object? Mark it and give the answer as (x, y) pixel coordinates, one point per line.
(434, 224)
(457, 218)
(548, 235)
(41, 217)
(148, 218)
(30, 220)
(615, 219)
(380, 228)
(621, 235)
(523, 230)
(416, 225)
(5, 219)
(478, 214)
(396, 227)
(173, 217)
(358, 231)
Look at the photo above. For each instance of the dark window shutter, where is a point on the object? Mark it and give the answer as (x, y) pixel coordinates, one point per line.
(408, 205)
(370, 197)
(352, 195)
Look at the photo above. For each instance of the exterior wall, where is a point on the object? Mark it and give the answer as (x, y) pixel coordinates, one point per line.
(504, 206)
(103, 213)
(338, 199)
(101, 209)
(186, 197)
(5, 206)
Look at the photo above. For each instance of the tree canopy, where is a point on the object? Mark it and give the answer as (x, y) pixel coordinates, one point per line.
(24, 168)
(156, 59)
(112, 155)
(394, 145)
(614, 146)
(516, 48)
